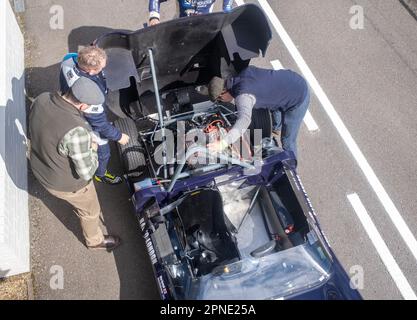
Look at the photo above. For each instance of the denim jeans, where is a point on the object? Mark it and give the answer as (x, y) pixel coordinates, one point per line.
(103, 153)
(289, 123)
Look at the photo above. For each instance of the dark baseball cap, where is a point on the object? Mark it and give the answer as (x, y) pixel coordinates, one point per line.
(215, 88)
(87, 91)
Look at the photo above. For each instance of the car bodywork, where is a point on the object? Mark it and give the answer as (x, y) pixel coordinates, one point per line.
(241, 227)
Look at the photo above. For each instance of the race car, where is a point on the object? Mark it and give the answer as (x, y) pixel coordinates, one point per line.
(235, 224)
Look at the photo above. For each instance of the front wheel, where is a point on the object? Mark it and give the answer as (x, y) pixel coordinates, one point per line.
(131, 154)
(261, 120)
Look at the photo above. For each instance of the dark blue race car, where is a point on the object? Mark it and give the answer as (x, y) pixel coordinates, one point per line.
(231, 225)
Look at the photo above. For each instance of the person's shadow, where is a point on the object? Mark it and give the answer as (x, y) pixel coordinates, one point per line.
(13, 150)
(13, 140)
(132, 261)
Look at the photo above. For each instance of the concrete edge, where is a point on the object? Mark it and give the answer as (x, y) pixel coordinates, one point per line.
(29, 283)
(411, 7)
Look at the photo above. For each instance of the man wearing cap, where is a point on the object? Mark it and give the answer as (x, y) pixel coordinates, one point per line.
(284, 92)
(63, 154)
(89, 62)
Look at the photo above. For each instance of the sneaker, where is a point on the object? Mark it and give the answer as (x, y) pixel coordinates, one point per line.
(109, 178)
(109, 243)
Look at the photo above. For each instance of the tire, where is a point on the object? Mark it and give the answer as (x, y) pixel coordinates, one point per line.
(131, 154)
(261, 119)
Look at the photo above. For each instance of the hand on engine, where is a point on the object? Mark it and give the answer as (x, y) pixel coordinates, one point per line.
(217, 146)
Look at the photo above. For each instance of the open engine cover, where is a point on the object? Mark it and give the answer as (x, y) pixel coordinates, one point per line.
(187, 51)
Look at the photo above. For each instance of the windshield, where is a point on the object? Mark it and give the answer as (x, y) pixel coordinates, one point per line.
(274, 276)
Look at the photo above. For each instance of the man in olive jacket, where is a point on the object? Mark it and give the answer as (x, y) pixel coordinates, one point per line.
(63, 154)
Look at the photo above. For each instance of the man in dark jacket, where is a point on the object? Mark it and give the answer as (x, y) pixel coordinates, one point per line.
(63, 154)
(186, 8)
(89, 63)
(283, 92)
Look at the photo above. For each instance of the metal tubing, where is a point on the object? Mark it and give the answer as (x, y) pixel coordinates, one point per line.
(190, 152)
(160, 113)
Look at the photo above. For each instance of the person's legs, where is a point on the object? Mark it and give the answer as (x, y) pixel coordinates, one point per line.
(277, 118)
(291, 125)
(102, 175)
(103, 153)
(87, 208)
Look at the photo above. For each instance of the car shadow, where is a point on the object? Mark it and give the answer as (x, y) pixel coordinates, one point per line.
(131, 258)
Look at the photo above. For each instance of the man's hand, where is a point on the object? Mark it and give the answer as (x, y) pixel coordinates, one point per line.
(217, 146)
(94, 145)
(124, 139)
(153, 21)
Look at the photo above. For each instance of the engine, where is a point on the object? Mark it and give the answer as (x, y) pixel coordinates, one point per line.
(204, 131)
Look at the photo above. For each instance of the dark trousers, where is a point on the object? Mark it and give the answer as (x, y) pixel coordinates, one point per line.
(103, 153)
(289, 122)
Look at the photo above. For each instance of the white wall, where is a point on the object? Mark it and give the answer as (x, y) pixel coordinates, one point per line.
(14, 219)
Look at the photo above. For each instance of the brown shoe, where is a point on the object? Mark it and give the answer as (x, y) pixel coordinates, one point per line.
(109, 243)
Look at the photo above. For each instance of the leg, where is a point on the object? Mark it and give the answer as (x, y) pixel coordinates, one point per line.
(277, 117)
(291, 125)
(87, 208)
(102, 175)
(103, 153)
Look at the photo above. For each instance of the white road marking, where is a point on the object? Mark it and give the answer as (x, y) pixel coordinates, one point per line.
(310, 123)
(239, 2)
(277, 65)
(381, 247)
(363, 164)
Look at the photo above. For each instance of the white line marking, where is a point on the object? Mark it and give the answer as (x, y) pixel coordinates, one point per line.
(369, 173)
(310, 122)
(239, 2)
(277, 65)
(308, 118)
(381, 247)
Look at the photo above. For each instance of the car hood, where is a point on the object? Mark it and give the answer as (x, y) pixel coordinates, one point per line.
(187, 51)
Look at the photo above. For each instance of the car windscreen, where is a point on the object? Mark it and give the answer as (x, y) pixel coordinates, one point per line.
(271, 277)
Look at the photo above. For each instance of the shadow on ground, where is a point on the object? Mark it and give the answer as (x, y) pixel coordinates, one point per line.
(131, 258)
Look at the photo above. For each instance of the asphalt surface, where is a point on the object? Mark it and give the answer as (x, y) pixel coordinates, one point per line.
(55, 231)
(370, 77)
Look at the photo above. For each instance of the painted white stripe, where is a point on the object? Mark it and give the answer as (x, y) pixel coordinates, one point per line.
(308, 118)
(369, 173)
(382, 249)
(277, 65)
(239, 2)
(310, 122)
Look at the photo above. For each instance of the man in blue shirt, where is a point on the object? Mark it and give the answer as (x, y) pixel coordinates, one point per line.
(186, 8)
(284, 92)
(89, 63)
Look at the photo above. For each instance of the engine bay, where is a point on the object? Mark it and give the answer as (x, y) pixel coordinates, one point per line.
(188, 126)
